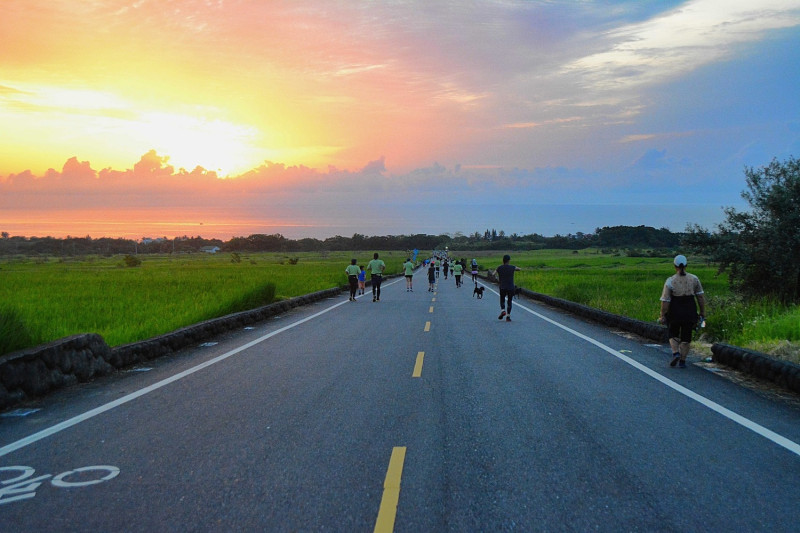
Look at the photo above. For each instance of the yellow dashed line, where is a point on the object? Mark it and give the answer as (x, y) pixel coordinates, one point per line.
(428, 325)
(418, 366)
(391, 491)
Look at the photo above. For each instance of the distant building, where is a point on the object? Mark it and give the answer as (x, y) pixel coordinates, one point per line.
(210, 249)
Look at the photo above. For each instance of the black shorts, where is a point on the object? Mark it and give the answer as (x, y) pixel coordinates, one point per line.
(681, 330)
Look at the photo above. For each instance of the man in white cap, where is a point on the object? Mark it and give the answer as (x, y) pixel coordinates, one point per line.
(678, 309)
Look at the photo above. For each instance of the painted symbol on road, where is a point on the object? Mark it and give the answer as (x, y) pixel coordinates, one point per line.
(24, 485)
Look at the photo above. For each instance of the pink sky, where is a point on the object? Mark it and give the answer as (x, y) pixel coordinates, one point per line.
(295, 113)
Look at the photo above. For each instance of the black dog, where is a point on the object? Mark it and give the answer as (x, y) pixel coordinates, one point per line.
(478, 290)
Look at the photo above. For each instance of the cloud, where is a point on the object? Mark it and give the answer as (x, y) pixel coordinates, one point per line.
(688, 37)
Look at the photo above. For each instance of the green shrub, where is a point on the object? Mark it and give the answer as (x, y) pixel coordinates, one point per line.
(14, 334)
(131, 261)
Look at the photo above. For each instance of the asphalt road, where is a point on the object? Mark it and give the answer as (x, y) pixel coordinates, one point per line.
(422, 412)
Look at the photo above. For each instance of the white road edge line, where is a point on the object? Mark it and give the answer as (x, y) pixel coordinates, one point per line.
(727, 413)
(5, 450)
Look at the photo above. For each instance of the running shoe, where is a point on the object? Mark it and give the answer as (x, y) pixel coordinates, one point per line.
(502, 314)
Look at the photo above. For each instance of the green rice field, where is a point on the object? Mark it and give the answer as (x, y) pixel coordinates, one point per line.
(43, 300)
(631, 286)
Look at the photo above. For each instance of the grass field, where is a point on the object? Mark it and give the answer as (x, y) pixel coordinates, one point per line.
(47, 300)
(631, 286)
(44, 301)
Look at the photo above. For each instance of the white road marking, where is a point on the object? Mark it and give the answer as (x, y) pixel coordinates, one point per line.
(727, 413)
(5, 450)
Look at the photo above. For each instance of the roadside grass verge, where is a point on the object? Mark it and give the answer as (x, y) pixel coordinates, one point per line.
(57, 298)
(631, 286)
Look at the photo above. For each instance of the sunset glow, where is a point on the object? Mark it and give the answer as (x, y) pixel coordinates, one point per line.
(288, 114)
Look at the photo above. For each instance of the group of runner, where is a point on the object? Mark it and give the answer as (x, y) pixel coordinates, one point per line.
(438, 264)
(357, 277)
(681, 296)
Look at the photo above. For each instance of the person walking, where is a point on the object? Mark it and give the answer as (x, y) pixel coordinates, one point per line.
(681, 296)
(474, 269)
(376, 268)
(457, 269)
(362, 279)
(431, 277)
(352, 272)
(445, 267)
(408, 268)
(505, 276)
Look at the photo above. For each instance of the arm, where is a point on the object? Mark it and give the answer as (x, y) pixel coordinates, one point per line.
(664, 311)
(701, 301)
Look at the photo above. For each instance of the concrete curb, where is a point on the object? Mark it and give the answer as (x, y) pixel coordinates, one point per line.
(31, 373)
(783, 373)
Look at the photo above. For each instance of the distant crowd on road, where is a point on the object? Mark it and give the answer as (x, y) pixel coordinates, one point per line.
(681, 295)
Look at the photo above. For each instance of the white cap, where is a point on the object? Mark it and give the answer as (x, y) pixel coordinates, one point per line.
(680, 260)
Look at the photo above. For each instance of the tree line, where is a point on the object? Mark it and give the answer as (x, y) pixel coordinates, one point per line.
(606, 237)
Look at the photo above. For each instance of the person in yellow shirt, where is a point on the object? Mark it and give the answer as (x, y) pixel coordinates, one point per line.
(352, 271)
(408, 269)
(457, 269)
(376, 268)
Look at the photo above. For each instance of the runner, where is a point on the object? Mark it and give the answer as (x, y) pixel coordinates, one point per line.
(352, 272)
(505, 275)
(408, 267)
(457, 268)
(362, 280)
(376, 268)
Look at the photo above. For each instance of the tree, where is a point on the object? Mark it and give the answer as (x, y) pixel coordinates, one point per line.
(760, 248)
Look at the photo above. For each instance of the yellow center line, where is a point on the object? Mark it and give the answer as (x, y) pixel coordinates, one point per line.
(430, 310)
(428, 325)
(418, 366)
(433, 300)
(391, 491)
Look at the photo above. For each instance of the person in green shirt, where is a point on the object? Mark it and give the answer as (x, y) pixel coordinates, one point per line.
(408, 268)
(457, 268)
(376, 268)
(352, 271)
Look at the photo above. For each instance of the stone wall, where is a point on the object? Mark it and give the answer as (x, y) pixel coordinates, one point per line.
(784, 373)
(34, 372)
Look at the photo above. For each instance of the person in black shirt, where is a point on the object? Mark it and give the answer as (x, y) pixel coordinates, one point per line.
(505, 275)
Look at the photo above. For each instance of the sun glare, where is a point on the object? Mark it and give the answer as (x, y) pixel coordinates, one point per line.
(189, 142)
(111, 124)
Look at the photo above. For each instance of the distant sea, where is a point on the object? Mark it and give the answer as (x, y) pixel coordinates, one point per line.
(296, 222)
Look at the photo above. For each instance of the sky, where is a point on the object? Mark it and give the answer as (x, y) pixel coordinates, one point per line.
(315, 118)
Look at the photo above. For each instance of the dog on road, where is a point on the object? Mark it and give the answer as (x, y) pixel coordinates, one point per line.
(477, 291)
